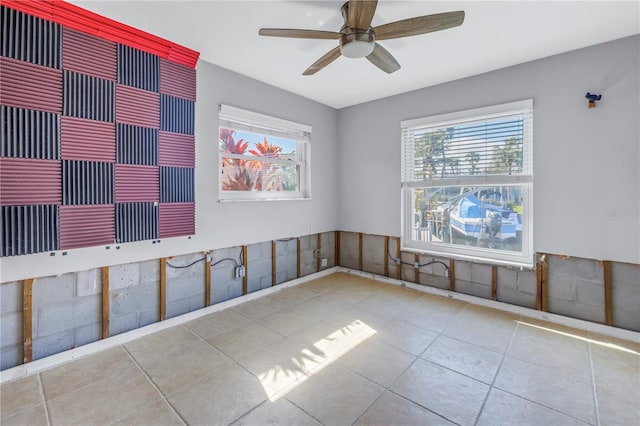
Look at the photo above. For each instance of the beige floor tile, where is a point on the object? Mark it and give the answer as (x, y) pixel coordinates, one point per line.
(245, 340)
(347, 316)
(335, 396)
(260, 308)
(158, 413)
(392, 409)
(278, 413)
(325, 283)
(617, 408)
(380, 363)
(220, 398)
(104, 401)
(217, 323)
(148, 349)
(504, 409)
(432, 313)
(293, 295)
(379, 304)
(18, 395)
(286, 321)
(547, 387)
(616, 370)
(470, 360)
(81, 372)
(404, 336)
(179, 368)
(33, 416)
(456, 397)
(487, 328)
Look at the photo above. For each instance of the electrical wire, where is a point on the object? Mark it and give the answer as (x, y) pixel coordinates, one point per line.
(186, 266)
(235, 262)
(395, 260)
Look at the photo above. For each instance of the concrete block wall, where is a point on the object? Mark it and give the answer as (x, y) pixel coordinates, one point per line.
(11, 347)
(576, 287)
(349, 250)
(328, 249)
(185, 286)
(473, 278)
(286, 260)
(308, 262)
(134, 295)
(625, 287)
(373, 253)
(66, 312)
(259, 259)
(433, 275)
(223, 284)
(516, 286)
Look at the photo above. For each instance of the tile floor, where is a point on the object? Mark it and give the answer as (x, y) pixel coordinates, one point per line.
(343, 350)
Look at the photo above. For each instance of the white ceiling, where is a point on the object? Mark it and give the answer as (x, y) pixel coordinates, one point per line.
(495, 34)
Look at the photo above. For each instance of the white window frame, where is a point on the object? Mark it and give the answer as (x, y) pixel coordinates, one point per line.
(261, 124)
(525, 258)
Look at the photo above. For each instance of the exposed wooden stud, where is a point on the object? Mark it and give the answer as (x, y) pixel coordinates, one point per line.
(538, 283)
(245, 279)
(398, 256)
(207, 279)
(416, 278)
(337, 248)
(319, 248)
(273, 263)
(360, 238)
(494, 282)
(452, 275)
(105, 301)
(545, 283)
(386, 255)
(608, 293)
(163, 289)
(298, 257)
(27, 319)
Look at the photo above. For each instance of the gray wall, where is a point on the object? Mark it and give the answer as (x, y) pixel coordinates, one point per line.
(586, 161)
(227, 224)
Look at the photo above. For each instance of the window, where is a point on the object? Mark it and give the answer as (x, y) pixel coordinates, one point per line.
(467, 183)
(262, 157)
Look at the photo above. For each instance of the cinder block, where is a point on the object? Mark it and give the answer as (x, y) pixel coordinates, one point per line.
(11, 328)
(50, 290)
(514, 297)
(232, 253)
(625, 289)
(373, 254)
(574, 266)
(195, 270)
(463, 270)
(562, 286)
(576, 310)
(10, 297)
(527, 282)
(235, 290)
(196, 302)
(123, 323)
(590, 292)
(265, 282)
(68, 316)
(282, 277)
(327, 248)
(473, 288)
(87, 334)
(149, 316)
(349, 250)
(123, 276)
(253, 284)
(481, 274)
(287, 264)
(307, 262)
(507, 278)
(134, 299)
(305, 242)
(88, 282)
(260, 268)
(434, 281)
(150, 271)
(177, 307)
(11, 356)
(219, 294)
(52, 344)
(181, 287)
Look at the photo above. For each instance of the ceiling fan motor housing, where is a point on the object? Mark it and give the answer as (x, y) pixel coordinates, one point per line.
(356, 43)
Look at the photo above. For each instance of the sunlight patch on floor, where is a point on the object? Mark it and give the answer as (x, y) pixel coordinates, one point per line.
(297, 368)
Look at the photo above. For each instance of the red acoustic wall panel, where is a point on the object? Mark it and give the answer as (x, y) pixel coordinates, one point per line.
(137, 106)
(24, 181)
(88, 54)
(177, 219)
(177, 80)
(136, 183)
(176, 149)
(91, 140)
(30, 86)
(85, 226)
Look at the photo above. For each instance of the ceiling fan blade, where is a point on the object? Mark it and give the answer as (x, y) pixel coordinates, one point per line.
(361, 13)
(381, 58)
(419, 25)
(329, 57)
(292, 33)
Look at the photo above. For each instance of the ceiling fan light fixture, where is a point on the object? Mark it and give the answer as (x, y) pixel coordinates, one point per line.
(357, 49)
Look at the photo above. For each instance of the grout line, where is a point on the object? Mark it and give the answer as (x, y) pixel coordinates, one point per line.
(593, 381)
(44, 399)
(162, 396)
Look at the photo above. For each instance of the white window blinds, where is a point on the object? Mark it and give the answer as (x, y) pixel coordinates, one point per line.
(253, 122)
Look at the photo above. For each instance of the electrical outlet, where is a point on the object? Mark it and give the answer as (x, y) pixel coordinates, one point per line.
(239, 271)
(316, 253)
(323, 262)
(446, 273)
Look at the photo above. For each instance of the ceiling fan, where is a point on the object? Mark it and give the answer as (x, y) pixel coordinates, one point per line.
(357, 38)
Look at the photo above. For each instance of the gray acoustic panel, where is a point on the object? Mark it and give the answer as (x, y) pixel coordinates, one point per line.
(136, 145)
(176, 185)
(27, 133)
(177, 114)
(88, 97)
(30, 39)
(87, 182)
(28, 229)
(136, 222)
(138, 69)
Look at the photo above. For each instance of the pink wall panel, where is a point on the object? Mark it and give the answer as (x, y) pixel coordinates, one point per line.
(136, 183)
(90, 140)
(30, 86)
(88, 54)
(177, 219)
(176, 149)
(85, 226)
(177, 80)
(24, 181)
(137, 106)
